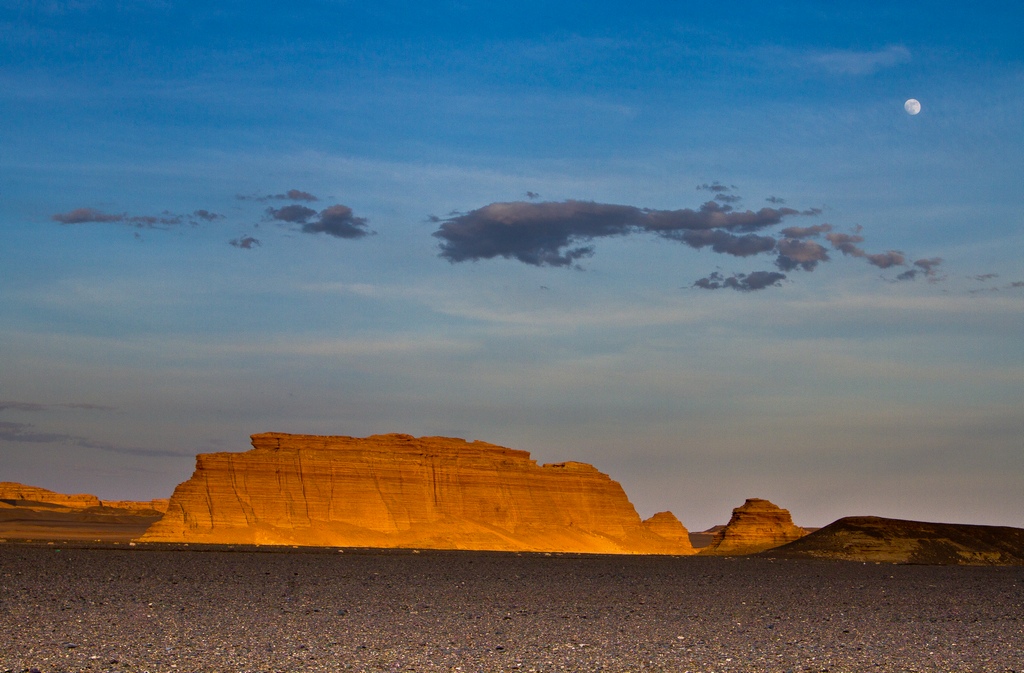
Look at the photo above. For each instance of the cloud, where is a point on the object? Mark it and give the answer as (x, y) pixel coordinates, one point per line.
(985, 277)
(848, 62)
(293, 213)
(847, 244)
(337, 220)
(24, 433)
(559, 233)
(290, 195)
(203, 214)
(741, 282)
(795, 253)
(806, 232)
(730, 244)
(165, 219)
(715, 186)
(85, 215)
(245, 242)
(775, 199)
(925, 267)
(35, 406)
(532, 195)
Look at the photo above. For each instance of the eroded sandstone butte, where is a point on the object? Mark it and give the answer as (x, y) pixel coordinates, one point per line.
(400, 491)
(755, 526)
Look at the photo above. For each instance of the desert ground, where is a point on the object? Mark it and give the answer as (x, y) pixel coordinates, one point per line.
(112, 607)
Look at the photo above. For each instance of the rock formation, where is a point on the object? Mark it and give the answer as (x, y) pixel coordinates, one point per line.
(10, 490)
(875, 539)
(755, 525)
(13, 493)
(33, 513)
(401, 491)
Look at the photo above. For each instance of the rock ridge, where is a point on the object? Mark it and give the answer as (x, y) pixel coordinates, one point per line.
(396, 490)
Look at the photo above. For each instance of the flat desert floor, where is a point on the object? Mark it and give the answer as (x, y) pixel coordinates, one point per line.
(165, 608)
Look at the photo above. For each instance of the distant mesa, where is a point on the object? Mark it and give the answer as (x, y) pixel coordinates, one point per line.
(15, 494)
(399, 491)
(875, 539)
(31, 512)
(755, 526)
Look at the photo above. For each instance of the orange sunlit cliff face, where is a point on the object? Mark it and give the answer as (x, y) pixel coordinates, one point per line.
(401, 491)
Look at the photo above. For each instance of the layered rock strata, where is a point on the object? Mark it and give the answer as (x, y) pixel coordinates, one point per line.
(755, 526)
(402, 491)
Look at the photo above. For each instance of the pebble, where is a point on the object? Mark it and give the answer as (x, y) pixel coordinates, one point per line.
(154, 609)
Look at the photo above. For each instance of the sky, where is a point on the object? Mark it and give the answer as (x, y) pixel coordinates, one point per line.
(702, 247)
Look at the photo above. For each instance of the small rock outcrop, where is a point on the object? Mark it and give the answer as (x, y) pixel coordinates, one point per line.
(403, 491)
(755, 526)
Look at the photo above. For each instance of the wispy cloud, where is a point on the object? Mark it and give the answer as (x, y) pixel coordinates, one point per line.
(290, 195)
(6, 405)
(25, 433)
(847, 244)
(165, 219)
(851, 62)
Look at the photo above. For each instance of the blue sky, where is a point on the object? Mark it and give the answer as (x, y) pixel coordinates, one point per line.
(702, 247)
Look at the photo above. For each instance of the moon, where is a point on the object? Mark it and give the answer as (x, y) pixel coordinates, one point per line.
(912, 106)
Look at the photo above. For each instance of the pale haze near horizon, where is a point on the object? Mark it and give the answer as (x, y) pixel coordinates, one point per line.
(729, 263)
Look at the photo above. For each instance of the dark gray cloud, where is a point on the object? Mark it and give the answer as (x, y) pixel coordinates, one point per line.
(245, 242)
(775, 199)
(532, 195)
(728, 198)
(715, 186)
(924, 267)
(165, 219)
(726, 243)
(806, 232)
(24, 433)
(293, 213)
(795, 253)
(290, 195)
(35, 406)
(1017, 283)
(985, 277)
(337, 220)
(559, 233)
(203, 214)
(847, 244)
(86, 215)
(741, 282)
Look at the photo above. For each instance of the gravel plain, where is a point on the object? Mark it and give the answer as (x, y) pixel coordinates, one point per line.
(164, 608)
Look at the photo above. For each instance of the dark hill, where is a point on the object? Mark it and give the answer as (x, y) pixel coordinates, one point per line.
(872, 538)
